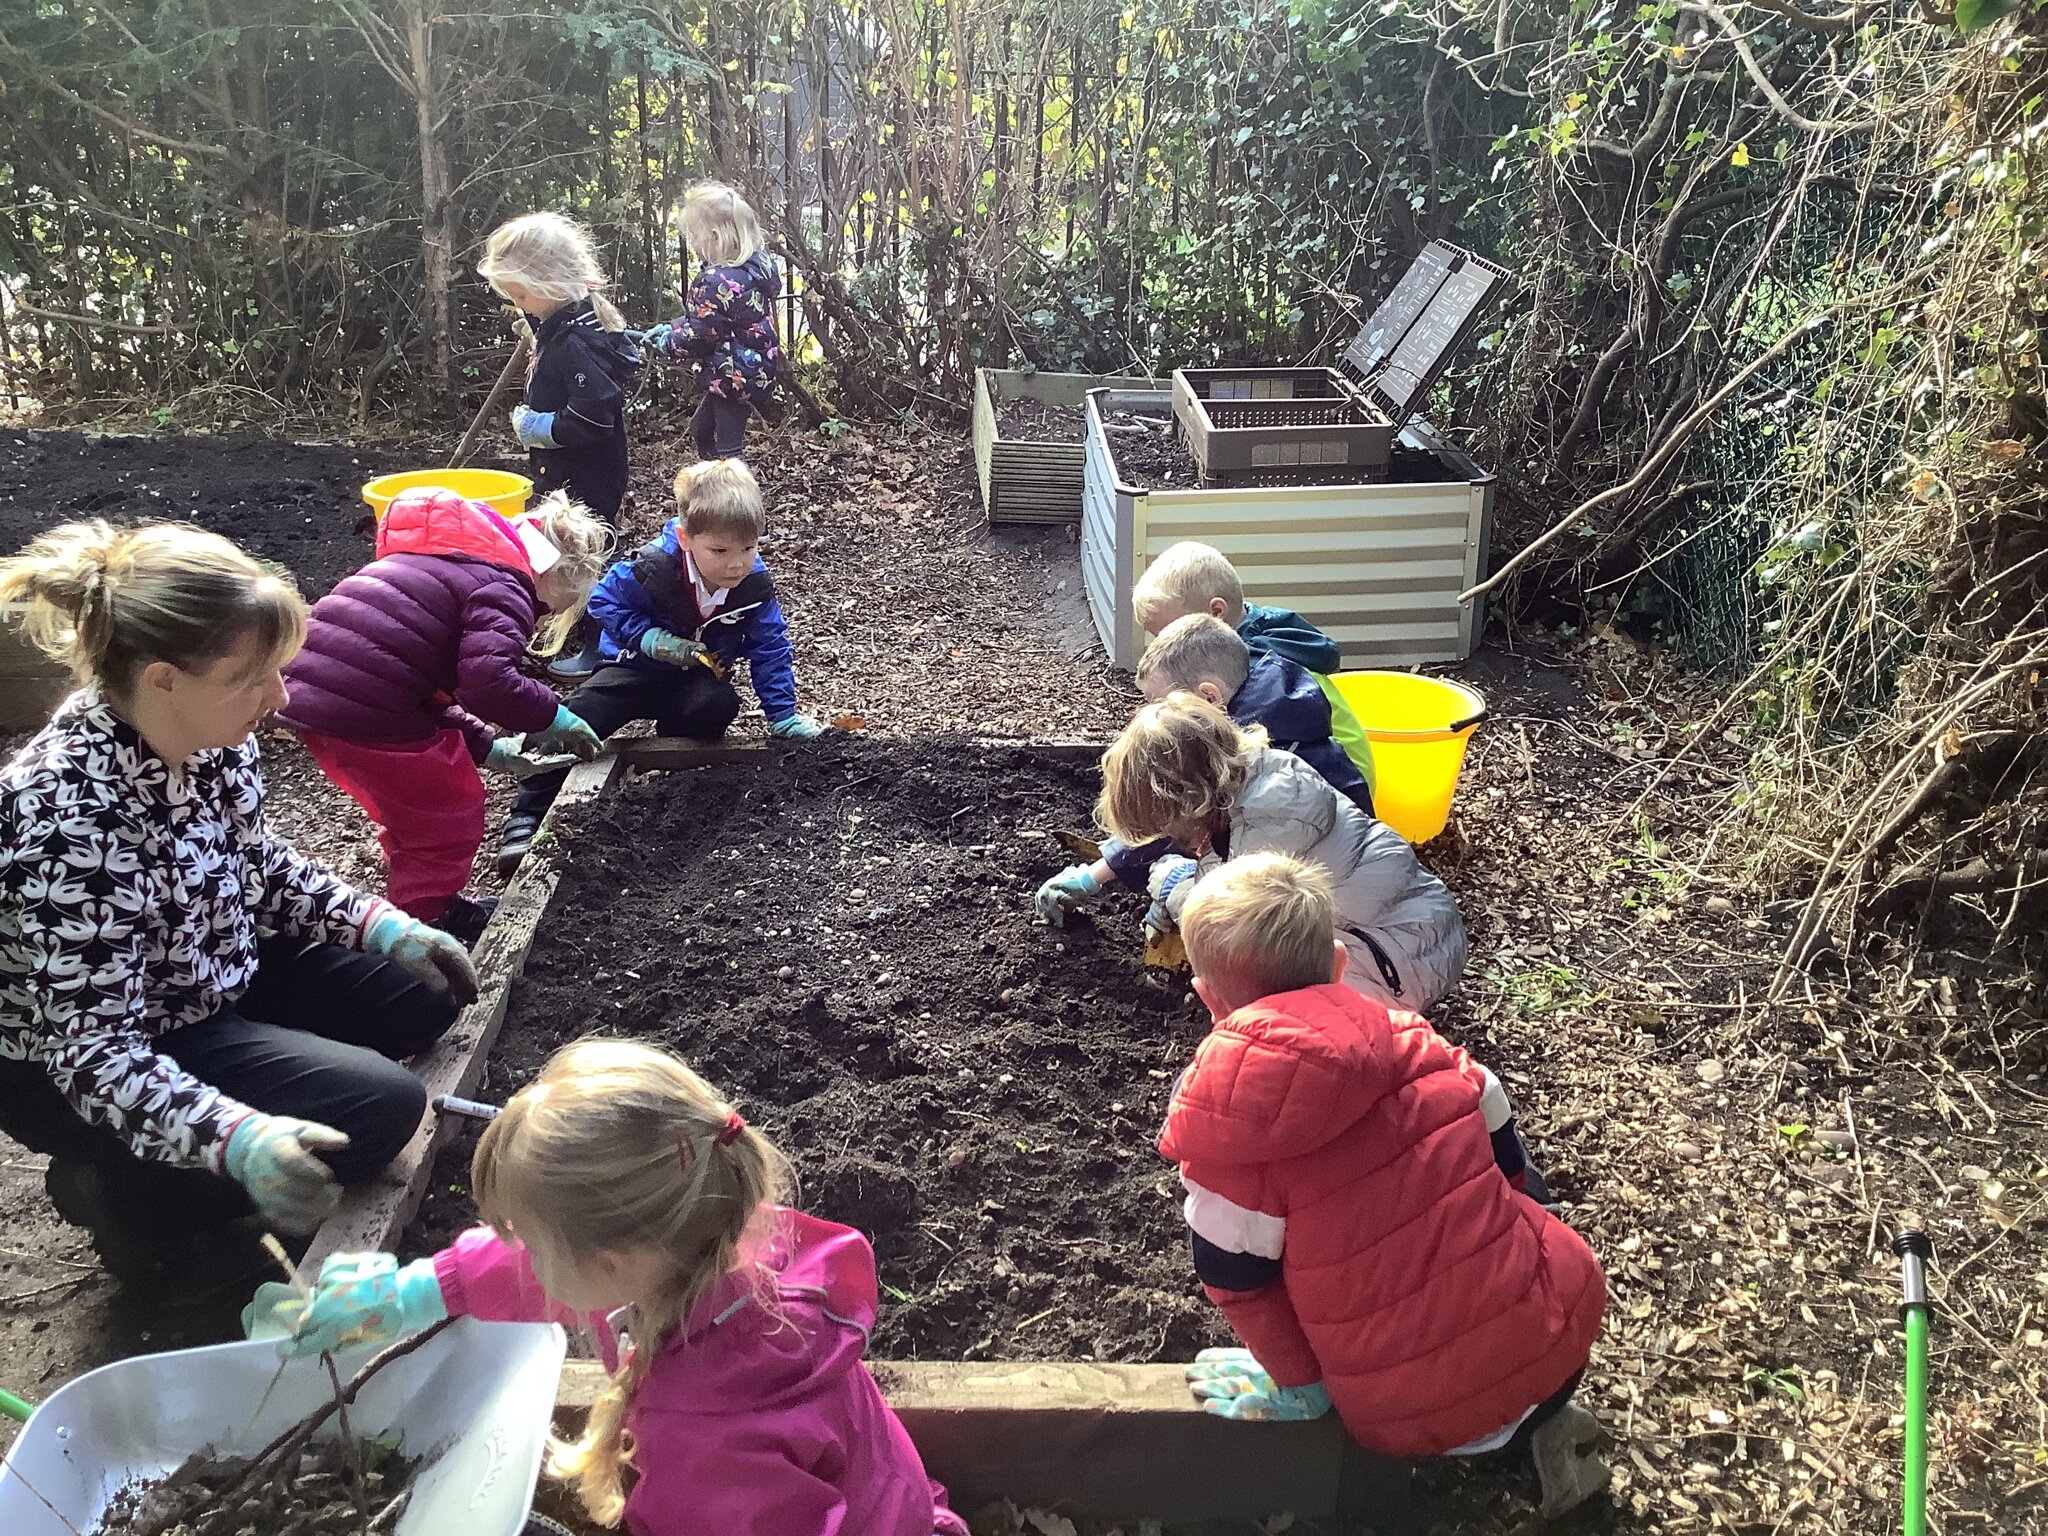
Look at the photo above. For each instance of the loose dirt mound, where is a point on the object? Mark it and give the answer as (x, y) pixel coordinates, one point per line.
(842, 939)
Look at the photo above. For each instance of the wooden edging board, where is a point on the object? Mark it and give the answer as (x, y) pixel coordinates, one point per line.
(373, 1215)
(1115, 1441)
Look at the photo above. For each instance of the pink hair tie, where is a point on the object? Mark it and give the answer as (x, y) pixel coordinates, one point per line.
(734, 1124)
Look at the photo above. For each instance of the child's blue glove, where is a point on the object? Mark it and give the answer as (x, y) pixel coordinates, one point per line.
(1167, 876)
(272, 1157)
(535, 429)
(655, 337)
(1233, 1385)
(1066, 892)
(567, 732)
(362, 1299)
(795, 728)
(660, 644)
(426, 953)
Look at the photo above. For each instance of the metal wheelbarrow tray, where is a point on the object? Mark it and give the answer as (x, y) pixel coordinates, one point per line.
(474, 1404)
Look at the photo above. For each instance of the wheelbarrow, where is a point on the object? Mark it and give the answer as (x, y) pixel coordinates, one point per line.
(474, 1403)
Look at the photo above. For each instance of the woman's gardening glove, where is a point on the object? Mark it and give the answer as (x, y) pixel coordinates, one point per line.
(795, 728)
(1067, 892)
(534, 429)
(274, 1158)
(423, 952)
(567, 733)
(1233, 1385)
(1167, 876)
(663, 645)
(506, 757)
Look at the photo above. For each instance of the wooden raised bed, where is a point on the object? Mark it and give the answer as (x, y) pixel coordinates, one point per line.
(1113, 1440)
(1025, 480)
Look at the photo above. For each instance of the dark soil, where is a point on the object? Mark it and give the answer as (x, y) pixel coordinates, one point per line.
(324, 1494)
(842, 939)
(1033, 421)
(1150, 452)
(294, 503)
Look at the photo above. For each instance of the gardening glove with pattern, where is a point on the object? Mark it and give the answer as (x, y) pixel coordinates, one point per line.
(506, 757)
(274, 1158)
(659, 644)
(1166, 877)
(567, 732)
(534, 429)
(425, 953)
(1066, 892)
(365, 1299)
(795, 728)
(1233, 1385)
(655, 337)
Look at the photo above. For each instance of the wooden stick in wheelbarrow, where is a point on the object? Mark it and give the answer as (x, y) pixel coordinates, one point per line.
(505, 376)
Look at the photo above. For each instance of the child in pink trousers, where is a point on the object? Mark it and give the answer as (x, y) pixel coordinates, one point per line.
(644, 1206)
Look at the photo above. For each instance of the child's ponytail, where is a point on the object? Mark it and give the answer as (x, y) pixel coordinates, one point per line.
(618, 1146)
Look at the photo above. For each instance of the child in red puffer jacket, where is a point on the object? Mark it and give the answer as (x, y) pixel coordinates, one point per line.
(411, 667)
(1355, 1190)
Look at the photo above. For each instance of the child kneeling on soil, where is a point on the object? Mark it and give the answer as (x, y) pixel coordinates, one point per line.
(1184, 770)
(619, 1179)
(1347, 1211)
(1197, 578)
(676, 617)
(410, 663)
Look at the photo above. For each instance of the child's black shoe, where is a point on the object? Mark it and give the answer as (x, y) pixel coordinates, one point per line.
(464, 919)
(516, 840)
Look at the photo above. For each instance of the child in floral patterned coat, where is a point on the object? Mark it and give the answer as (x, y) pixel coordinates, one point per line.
(727, 327)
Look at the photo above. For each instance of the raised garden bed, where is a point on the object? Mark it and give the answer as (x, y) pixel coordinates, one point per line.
(1028, 429)
(841, 937)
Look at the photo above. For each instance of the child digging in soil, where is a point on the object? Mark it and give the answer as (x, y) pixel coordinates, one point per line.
(1197, 578)
(1184, 770)
(676, 618)
(410, 663)
(572, 422)
(1347, 1211)
(727, 327)
(620, 1179)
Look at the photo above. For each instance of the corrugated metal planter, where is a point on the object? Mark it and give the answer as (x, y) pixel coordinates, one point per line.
(31, 685)
(1026, 481)
(1377, 567)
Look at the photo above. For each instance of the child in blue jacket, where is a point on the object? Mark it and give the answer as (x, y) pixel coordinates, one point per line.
(727, 327)
(676, 617)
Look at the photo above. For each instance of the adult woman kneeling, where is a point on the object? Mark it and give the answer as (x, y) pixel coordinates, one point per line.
(194, 1018)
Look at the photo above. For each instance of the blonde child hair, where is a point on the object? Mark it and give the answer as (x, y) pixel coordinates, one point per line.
(585, 543)
(719, 226)
(551, 256)
(1194, 648)
(1180, 762)
(618, 1146)
(721, 496)
(1187, 578)
(1262, 925)
(107, 602)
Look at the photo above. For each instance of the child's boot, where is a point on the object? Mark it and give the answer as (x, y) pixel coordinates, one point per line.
(1565, 1464)
(574, 669)
(464, 919)
(516, 840)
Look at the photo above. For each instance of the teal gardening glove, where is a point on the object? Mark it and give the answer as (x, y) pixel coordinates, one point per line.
(1065, 893)
(567, 732)
(425, 953)
(273, 1158)
(507, 757)
(1233, 1385)
(362, 1299)
(795, 728)
(659, 644)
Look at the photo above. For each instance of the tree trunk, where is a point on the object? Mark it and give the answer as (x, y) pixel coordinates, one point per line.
(437, 238)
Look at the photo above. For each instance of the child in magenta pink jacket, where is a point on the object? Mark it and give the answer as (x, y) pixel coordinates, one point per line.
(642, 1202)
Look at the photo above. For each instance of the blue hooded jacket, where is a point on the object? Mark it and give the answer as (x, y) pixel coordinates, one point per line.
(1291, 705)
(652, 591)
(1282, 632)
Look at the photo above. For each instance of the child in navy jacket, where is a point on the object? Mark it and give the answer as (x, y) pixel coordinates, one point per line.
(727, 327)
(696, 599)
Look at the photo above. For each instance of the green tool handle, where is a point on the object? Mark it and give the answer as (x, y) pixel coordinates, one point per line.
(15, 1407)
(1916, 1420)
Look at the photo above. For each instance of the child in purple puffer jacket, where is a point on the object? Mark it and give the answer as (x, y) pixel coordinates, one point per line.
(410, 663)
(727, 327)
(742, 1405)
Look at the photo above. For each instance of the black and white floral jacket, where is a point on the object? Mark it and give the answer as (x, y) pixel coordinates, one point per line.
(130, 899)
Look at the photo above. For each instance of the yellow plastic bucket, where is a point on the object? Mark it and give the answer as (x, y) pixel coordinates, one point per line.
(1418, 727)
(505, 492)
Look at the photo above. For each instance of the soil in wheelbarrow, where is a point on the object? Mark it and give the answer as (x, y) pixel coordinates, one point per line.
(333, 1488)
(842, 938)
